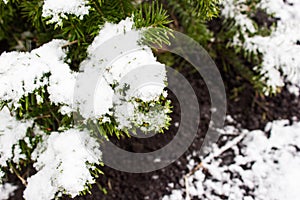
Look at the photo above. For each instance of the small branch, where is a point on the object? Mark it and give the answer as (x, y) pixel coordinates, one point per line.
(69, 43)
(18, 175)
(19, 42)
(109, 184)
(43, 116)
(228, 145)
(195, 169)
(98, 8)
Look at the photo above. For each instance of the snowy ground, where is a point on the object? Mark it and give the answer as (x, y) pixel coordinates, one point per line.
(265, 166)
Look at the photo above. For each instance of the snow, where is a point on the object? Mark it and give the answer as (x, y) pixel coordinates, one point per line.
(115, 54)
(108, 31)
(235, 9)
(263, 169)
(93, 95)
(58, 10)
(22, 73)
(118, 64)
(280, 50)
(176, 195)
(11, 132)
(18, 73)
(62, 79)
(63, 161)
(7, 190)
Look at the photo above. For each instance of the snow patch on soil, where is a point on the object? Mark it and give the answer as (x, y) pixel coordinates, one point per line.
(263, 168)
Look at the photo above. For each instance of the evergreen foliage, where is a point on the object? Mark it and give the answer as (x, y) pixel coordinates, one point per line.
(24, 28)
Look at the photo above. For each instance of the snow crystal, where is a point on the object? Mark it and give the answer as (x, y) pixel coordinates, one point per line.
(176, 124)
(11, 132)
(57, 10)
(61, 162)
(263, 169)
(293, 89)
(7, 190)
(39, 99)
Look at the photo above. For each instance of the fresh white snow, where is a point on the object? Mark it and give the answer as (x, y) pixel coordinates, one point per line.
(57, 10)
(63, 162)
(125, 59)
(120, 60)
(22, 73)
